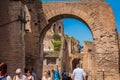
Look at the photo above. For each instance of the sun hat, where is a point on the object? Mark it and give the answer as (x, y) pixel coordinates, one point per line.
(18, 71)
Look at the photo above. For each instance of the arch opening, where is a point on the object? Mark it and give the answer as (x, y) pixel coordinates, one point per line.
(59, 17)
(66, 53)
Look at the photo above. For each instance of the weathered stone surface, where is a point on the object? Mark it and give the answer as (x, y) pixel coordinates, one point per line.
(11, 36)
(101, 25)
(18, 47)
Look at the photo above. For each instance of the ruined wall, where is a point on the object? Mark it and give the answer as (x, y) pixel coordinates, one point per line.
(56, 28)
(102, 26)
(88, 59)
(119, 40)
(73, 45)
(50, 61)
(11, 35)
(32, 45)
(69, 46)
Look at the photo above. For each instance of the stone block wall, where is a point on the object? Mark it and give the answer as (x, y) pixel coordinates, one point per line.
(119, 39)
(11, 35)
(33, 48)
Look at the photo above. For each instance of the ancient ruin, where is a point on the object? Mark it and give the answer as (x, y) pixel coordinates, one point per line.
(24, 23)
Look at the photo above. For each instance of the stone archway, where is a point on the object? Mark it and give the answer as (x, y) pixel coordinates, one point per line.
(75, 62)
(102, 26)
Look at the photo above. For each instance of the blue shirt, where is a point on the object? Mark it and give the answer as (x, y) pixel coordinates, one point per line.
(78, 74)
(56, 75)
(4, 77)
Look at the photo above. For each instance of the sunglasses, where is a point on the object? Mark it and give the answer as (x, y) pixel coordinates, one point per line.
(18, 73)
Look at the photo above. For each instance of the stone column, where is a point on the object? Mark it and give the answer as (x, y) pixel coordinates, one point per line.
(45, 62)
(57, 61)
(40, 68)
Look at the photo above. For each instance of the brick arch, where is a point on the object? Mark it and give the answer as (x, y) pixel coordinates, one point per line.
(61, 16)
(70, 12)
(101, 25)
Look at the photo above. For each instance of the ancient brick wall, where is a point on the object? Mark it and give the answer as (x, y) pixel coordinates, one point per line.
(102, 27)
(56, 28)
(32, 45)
(88, 59)
(119, 39)
(11, 35)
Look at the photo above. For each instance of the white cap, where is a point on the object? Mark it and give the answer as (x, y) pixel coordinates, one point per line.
(18, 70)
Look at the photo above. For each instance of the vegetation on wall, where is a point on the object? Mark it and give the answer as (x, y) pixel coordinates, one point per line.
(70, 37)
(73, 52)
(57, 45)
(56, 37)
(88, 41)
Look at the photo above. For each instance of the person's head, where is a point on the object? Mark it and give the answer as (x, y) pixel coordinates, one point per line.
(46, 74)
(53, 70)
(78, 66)
(28, 72)
(18, 72)
(67, 73)
(48, 71)
(3, 68)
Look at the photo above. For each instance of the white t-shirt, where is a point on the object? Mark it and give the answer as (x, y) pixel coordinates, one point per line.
(17, 78)
(44, 78)
(30, 77)
(78, 74)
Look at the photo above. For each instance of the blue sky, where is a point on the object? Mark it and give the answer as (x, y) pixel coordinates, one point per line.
(115, 4)
(77, 29)
(80, 31)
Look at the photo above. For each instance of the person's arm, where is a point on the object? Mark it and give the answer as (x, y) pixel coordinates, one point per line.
(9, 78)
(84, 75)
(33, 78)
(57, 66)
(73, 75)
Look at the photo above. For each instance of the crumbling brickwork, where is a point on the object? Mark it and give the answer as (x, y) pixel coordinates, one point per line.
(102, 26)
(11, 35)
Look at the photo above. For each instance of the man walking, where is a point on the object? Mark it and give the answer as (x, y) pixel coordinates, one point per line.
(78, 73)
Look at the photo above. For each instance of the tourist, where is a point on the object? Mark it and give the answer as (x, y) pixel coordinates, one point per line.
(34, 74)
(66, 76)
(46, 76)
(56, 75)
(53, 71)
(19, 75)
(3, 72)
(78, 73)
(49, 73)
(86, 76)
(28, 74)
(63, 73)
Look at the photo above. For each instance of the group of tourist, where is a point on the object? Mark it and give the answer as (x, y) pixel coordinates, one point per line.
(19, 75)
(78, 74)
(55, 75)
